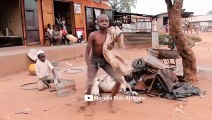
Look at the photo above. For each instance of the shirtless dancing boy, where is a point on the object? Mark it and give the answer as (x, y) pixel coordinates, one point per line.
(95, 59)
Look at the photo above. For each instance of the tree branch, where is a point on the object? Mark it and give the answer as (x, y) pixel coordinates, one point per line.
(169, 4)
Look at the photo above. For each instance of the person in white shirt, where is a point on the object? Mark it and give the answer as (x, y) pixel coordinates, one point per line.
(50, 33)
(42, 69)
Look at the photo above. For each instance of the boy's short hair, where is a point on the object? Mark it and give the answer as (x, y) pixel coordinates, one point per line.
(48, 25)
(101, 16)
(55, 26)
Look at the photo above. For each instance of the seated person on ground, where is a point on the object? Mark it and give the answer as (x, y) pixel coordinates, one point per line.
(56, 35)
(50, 33)
(42, 70)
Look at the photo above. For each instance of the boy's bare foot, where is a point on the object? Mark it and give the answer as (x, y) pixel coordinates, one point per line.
(88, 111)
(110, 104)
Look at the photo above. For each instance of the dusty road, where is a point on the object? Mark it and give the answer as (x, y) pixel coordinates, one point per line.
(46, 105)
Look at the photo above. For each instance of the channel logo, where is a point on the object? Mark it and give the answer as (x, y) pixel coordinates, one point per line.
(88, 98)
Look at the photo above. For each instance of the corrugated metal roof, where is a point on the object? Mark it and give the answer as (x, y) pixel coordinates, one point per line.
(184, 14)
(202, 18)
(136, 14)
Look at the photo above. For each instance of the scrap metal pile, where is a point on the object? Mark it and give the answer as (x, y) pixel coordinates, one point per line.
(152, 79)
(146, 78)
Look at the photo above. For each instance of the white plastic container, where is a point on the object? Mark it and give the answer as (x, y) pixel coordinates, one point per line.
(71, 38)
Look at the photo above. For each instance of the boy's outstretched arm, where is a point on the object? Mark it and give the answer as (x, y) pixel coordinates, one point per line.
(53, 73)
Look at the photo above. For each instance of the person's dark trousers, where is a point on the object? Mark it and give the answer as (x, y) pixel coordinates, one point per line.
(63, 41)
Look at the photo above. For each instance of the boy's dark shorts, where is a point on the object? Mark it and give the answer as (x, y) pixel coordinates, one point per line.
(95, 64)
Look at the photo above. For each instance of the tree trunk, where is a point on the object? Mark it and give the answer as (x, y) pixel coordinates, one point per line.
(188, 57)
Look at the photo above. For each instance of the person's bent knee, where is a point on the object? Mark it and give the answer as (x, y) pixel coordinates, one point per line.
(41, 85)
(118, 82)
(119, 79)
(41, 88)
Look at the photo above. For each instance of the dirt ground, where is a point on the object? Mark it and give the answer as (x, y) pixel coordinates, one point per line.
(47, 105)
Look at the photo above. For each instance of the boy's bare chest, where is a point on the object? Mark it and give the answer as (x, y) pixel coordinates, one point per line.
(100, 39)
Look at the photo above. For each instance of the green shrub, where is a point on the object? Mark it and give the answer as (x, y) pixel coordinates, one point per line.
(164, 39)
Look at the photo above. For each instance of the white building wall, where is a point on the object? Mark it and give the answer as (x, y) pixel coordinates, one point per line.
(160, 26)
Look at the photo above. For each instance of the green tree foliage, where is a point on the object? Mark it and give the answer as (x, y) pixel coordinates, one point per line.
(123, 5)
